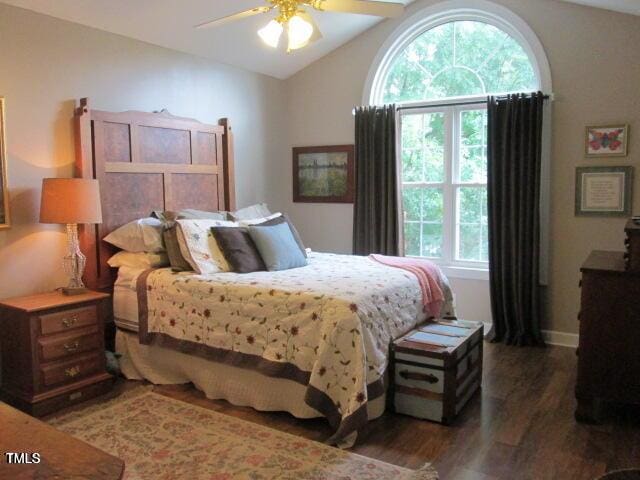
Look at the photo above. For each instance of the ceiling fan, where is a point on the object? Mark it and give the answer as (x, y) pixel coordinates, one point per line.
(301, 29)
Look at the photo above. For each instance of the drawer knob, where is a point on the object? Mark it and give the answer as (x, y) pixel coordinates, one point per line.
(422, 377)
(69, 322)
(72, 347)
(72, 372)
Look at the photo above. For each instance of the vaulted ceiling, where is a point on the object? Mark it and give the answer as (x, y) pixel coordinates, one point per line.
(169, 23)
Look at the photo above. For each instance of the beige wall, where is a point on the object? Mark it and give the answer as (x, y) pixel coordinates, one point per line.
(595, 62)
(46, 64)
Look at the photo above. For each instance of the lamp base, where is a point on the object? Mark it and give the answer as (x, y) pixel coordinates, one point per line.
(73, 263)
(74, 290)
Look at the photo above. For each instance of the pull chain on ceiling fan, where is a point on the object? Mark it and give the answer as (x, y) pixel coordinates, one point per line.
(300, 27)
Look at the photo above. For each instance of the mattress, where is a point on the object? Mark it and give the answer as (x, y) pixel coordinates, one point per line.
(125, 299)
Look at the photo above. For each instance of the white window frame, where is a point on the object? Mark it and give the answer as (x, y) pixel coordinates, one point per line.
(506, 20)
(450, 185)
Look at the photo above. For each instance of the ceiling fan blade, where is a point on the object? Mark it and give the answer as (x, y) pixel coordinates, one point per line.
(362, 7)
(234, 17)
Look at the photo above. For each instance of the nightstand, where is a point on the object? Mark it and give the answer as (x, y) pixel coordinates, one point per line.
(52, 348)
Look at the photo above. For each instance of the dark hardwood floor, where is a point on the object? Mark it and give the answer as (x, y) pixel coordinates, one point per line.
(520, 427)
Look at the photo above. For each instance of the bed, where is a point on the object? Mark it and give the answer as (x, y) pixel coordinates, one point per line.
(311, 341)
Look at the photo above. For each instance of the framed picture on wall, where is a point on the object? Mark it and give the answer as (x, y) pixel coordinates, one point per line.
(324, 174)
(604, 191)
(607, 141)
(4, 192)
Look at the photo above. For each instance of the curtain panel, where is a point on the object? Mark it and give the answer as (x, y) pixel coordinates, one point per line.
(514, 166)
(375, 223)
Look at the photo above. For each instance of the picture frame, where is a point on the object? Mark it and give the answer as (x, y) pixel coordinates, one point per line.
(607, 141)
(5, 216)
(604, 191)
(324, 174)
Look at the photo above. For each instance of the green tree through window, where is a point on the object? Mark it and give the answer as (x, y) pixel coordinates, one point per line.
(459, 59)
(444, 149)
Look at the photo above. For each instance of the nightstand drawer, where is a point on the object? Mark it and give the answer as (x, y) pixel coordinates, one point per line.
(65, 345)
(68, 319)
(71, 370)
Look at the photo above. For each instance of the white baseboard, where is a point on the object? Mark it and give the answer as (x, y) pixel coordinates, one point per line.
(560, 339)
(551, 337)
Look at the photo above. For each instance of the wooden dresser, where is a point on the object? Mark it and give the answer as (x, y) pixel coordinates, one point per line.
(52, 348)
(609, 346)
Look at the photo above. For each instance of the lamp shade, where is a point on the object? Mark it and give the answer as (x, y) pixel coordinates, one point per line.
(70, 200)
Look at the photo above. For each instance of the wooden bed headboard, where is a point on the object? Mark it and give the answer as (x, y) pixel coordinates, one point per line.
(146, 162)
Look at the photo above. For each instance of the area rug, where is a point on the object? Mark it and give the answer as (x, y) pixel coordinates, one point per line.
(162, 438)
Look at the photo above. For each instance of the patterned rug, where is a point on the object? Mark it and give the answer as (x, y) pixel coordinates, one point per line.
(162, 438)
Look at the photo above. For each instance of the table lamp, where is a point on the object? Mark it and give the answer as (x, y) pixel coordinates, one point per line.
(70, 201)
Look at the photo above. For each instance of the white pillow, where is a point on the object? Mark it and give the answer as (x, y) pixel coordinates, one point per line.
(199, 247)
(138, 260)
(143, 235)
(259, 210)
(257, 221)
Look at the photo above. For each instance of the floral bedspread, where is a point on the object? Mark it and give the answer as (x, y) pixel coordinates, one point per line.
(327, 325)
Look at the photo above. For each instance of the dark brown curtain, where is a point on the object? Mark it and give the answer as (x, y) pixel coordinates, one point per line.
(375, 223)
(514, 161)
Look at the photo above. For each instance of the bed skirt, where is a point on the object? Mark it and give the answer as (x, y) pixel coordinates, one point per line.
(241, 387)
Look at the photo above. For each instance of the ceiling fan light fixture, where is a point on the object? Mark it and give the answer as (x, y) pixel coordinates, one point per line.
(299, 32)
(271, 33)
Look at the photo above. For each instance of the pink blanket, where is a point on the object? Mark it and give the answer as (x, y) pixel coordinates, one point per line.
(428, 275)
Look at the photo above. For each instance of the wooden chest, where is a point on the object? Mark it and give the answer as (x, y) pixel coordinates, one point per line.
(52, 350)
(437, 368)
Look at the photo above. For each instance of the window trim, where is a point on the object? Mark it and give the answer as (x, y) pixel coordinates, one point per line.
(512, 24)
(451, 182)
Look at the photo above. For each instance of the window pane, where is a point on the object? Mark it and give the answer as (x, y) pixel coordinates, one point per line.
(412, 148)
(432, 240)
(423, 148)
(423, 221)
(469, 248)
(459, 58)
(470, 202)
(473, 146)
(411, 203)
(412, 239)
(472, 224)
(432, 205)
(485, 244)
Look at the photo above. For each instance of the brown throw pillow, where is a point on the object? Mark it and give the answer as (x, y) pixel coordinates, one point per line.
(284, 218)
(238, 249)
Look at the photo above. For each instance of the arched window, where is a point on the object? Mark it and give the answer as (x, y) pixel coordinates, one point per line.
(456, 59)
(439, 67)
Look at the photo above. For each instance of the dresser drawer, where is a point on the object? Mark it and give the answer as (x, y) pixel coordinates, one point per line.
(68, 319)
(65, 345)
(71, 370)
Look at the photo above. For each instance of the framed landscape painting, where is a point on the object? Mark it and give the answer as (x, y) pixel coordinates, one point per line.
(607, 141)
(323, 174)
(4, 193)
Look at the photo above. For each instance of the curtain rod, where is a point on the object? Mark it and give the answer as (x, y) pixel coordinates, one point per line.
(456, 104)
